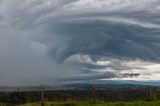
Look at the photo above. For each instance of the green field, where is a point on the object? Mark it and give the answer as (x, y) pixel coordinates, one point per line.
(107, 97)
(138, 103)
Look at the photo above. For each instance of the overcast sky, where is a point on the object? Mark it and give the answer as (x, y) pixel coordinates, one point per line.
(49, 41)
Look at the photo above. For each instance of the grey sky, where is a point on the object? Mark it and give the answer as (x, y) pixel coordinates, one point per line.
(44, 41)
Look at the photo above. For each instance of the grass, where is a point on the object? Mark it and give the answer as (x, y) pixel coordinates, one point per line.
(136, 103)
(2, 104)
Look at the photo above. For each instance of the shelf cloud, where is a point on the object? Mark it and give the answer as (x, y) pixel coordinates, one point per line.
(89, 36)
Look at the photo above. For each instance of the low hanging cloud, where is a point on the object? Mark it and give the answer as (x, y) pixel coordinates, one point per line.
(86, 33)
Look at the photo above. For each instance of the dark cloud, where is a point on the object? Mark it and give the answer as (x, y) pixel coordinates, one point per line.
(117, 35)
(107, 75)
(102, 30)
(91, 77)
(106, 38)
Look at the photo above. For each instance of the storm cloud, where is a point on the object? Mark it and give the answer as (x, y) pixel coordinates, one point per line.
(86, 36)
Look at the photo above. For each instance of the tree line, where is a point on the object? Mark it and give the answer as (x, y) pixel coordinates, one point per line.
(80, 95)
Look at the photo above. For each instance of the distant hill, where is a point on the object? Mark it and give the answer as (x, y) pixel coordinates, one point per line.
(99, 84)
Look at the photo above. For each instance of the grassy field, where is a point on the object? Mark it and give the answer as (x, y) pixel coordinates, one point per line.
(138, 103)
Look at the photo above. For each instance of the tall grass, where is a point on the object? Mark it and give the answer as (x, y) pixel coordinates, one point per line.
(136, 103)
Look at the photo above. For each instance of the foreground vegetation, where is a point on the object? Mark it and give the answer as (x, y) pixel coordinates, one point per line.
(89, 97)
(136, 103)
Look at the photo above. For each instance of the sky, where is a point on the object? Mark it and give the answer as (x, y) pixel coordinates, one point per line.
(57, 41)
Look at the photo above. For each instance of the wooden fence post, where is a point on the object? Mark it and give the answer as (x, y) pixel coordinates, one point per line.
(42, 98)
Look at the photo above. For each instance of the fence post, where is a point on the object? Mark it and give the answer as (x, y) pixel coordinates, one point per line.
(42, 98)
